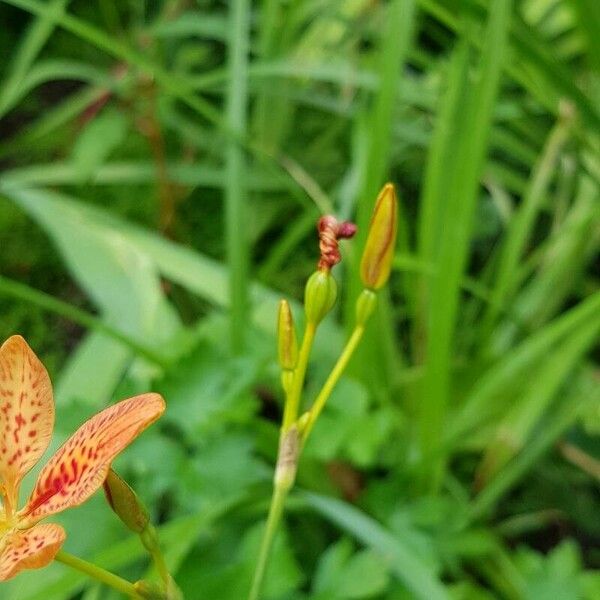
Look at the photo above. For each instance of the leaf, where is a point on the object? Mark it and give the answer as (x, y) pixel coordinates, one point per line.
(105, 132)
(454, 244)
(398, 558)
(96, 254)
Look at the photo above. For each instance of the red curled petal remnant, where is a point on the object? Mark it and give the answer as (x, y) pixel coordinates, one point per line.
(330, 231)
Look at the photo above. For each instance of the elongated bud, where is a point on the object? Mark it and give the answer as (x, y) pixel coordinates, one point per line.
(319, 296)
(365, 305)
(378, 254)
(125, 503)
(287, 344)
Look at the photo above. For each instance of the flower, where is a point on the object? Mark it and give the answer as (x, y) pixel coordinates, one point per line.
(378, 254)
(71, 476)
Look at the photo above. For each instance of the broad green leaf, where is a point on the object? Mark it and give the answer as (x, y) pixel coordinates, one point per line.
(398, 558)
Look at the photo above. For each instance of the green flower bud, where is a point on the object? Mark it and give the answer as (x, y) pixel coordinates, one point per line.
(150, 591)
(287, 343)
(125, 503)
(319, 296)
(365, 305)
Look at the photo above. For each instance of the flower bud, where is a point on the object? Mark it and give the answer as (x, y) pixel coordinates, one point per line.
(287, 343)
(365, 305)
(377, 257)
(125, 503)
(319, 296)
(149, 591)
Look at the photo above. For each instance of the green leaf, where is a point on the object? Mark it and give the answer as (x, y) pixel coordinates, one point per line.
(398, 558)
(97, 141)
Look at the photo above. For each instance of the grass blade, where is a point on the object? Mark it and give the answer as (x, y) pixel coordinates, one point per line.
(34, 40)
(235, 185)
(454, 243)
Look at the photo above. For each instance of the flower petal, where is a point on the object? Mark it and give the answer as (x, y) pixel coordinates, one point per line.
(26, 411)
(80, 466)
(29, 549)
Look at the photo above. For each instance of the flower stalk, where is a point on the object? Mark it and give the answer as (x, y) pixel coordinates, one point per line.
(319, 298)
(98, 573)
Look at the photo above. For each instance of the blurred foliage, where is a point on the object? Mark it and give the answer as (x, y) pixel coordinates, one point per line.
(155, 175)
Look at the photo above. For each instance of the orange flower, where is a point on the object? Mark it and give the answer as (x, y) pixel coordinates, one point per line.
(71, 476)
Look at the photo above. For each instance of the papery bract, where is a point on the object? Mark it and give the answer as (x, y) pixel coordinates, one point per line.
(71, 476)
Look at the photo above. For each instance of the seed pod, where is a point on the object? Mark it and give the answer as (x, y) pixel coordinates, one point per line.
(377, 256)
(319, 296)
(125, 503)
(287, 344)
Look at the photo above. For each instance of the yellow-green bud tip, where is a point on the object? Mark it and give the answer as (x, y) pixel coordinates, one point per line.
(319, 296)
(287, 344)
(125, 503)
(378, 254)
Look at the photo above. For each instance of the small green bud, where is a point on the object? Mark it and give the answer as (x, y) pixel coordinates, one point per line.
(125, 503)
(287, 379)
(150, 591)
(365, 305)
(287, 344)
(319, 296)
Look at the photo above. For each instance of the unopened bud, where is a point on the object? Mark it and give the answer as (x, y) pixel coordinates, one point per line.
(319, 296)
(365, 305)
(287, 344)
(378, 254)
(125, 503)
(287, 380)
(150, 591)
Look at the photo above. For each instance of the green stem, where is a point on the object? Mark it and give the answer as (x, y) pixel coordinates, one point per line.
(333, 378)
(292, 404)
(275, 512)
(49, 303)
(161, 566)
(98, 573)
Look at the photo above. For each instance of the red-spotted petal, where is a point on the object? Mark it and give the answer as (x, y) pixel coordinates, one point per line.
(26, 412)
(29, 549)
(80, 466)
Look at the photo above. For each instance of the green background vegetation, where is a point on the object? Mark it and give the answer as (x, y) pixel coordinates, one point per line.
(163, 166)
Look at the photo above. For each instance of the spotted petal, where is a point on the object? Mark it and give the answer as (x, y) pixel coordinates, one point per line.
(26, 412)
(80, 466)
(29, 549)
